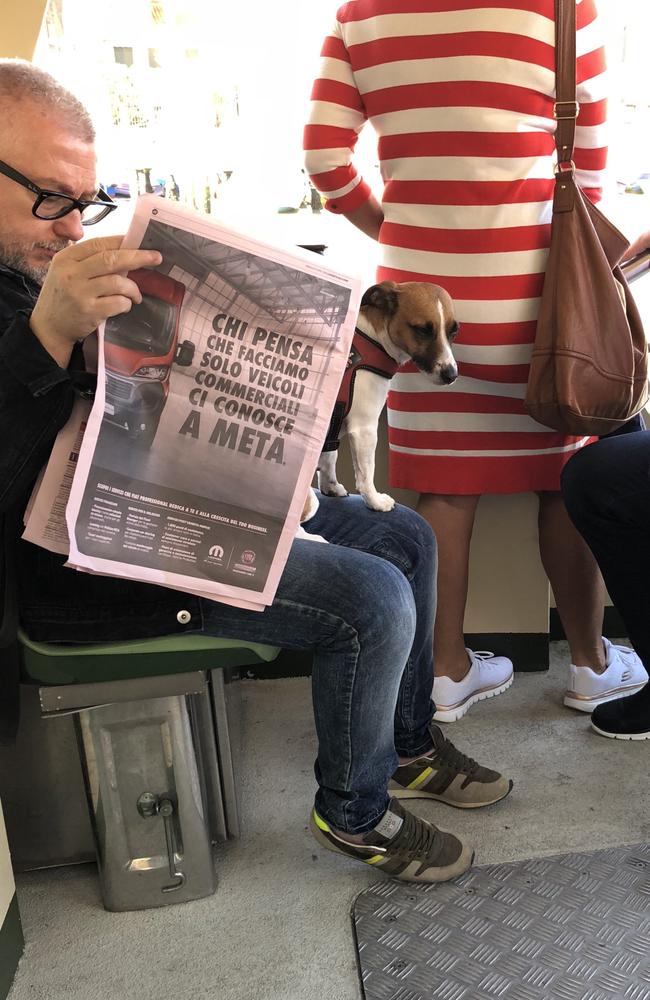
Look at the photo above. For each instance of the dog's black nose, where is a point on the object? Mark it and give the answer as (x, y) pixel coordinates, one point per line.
(448, 374)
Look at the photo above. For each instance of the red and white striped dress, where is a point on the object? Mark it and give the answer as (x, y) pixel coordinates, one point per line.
(460, 93)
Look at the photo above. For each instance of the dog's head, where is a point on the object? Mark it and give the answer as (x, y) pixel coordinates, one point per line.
(418, 319)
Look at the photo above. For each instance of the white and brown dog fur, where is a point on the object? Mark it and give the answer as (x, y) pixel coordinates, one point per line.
(413, 321)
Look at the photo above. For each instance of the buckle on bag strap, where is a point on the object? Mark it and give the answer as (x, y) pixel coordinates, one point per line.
(565, 167)
(563, 110)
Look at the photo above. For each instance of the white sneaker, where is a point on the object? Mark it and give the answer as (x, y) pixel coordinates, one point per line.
(488, 676)
(624, 674)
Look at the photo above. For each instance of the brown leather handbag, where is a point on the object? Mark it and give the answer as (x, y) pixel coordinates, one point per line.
(589, 368)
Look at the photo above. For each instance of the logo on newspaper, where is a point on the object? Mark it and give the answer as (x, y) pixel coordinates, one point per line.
(246, 562)
(216, 555)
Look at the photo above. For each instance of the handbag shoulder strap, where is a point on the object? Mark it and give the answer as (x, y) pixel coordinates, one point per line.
(565, 109)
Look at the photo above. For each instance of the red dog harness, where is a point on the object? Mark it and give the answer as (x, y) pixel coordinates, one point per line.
(365, 355)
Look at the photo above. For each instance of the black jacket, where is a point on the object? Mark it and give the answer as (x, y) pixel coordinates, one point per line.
(35, 401)
(53, 603)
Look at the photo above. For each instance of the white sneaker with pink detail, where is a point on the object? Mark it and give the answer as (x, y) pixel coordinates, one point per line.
(488, 675)
(623, 674)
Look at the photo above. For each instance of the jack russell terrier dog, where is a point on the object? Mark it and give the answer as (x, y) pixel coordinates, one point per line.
(397, 322)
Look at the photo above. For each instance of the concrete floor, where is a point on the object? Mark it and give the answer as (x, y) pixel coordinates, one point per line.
(279, 923)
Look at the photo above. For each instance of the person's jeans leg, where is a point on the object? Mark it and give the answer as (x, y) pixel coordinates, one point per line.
(404, 539)
(357, 611)
(606, 488)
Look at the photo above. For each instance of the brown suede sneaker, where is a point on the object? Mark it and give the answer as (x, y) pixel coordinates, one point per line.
(402, 846)
(446, 774)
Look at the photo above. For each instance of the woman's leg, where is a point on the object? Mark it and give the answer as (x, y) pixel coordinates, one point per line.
(576, 581)
(452, 520)
(460, 680)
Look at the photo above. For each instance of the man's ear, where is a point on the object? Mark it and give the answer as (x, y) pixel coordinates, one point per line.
(382, 297)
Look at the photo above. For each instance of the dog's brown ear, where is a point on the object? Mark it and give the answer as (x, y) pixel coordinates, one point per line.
(382, 297)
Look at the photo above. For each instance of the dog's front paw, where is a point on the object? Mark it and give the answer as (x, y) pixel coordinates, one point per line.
(334, 490)
(378, 501)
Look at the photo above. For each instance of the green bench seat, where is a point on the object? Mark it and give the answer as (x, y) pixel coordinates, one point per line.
(53, 664)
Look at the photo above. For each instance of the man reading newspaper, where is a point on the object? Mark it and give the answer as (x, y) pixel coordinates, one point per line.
(364, 603)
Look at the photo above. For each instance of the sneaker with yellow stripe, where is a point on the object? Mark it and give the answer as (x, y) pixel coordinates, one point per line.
(402, 846)
(447, 775)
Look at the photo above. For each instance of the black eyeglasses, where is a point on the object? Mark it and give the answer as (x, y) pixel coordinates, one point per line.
(54, 205)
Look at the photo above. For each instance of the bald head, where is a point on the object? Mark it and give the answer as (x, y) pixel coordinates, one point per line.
(23, 84)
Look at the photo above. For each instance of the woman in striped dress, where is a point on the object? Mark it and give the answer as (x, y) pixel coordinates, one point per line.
(461, 96)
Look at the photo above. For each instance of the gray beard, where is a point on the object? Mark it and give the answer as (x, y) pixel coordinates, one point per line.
(15, 257)
(16, 260)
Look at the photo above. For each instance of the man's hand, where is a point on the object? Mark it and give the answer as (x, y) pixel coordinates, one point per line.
(640, 244)
(86, 284)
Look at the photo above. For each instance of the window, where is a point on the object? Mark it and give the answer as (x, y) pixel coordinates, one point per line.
(123, 55)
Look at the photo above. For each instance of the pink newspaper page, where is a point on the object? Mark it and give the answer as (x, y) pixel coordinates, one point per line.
(213, 401)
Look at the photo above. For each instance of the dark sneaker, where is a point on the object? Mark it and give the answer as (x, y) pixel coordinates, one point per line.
(625, 718)
(402, 846)
(446, 774)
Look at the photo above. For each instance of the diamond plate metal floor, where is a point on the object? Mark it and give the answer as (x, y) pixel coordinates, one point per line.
(572, 927)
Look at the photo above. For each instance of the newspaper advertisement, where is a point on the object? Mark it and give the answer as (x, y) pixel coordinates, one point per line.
(44, 517)
(213, 401)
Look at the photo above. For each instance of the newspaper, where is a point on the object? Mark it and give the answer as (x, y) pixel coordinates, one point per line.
(213, 401)
(44, 517)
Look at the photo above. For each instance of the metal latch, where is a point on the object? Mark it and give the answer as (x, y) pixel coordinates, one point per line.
(151, 805)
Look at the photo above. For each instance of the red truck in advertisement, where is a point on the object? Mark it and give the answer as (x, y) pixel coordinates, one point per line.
(140, 348)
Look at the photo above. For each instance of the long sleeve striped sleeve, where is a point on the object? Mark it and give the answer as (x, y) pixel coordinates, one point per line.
(336, 119)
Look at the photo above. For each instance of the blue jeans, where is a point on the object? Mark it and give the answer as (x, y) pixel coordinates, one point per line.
(606, 488)
(365, 605)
